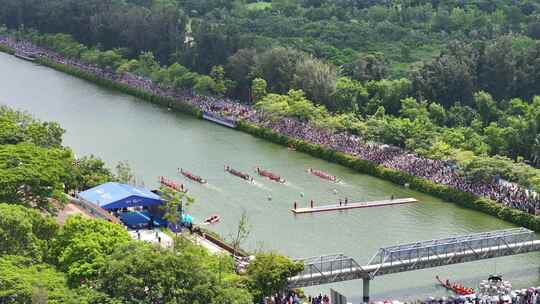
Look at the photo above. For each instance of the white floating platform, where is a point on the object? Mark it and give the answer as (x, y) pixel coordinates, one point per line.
(337, 207)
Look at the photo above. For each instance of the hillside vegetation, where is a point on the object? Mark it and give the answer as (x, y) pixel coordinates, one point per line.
(447, 79)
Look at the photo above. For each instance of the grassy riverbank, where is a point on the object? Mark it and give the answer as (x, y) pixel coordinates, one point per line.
(446, 193)
(5, 49)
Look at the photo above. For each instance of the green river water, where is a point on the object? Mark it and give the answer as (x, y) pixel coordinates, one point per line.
(155, 141)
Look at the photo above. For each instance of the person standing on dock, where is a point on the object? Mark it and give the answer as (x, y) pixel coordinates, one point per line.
(311, 204)
(340, 202)
(294, 206)
(346, 201)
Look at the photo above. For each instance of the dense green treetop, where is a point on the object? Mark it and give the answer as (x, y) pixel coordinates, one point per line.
(17, 127)
(82, 246)
(268, 273)
(141, 273)
(25, 232)
(30, 175)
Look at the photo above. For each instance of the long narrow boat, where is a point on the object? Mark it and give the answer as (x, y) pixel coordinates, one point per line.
(238, 173)
(457, 288)
(25, 56)
(172, 184)
(214, 218)
(322, 174)
(192, 176)
(270, 175)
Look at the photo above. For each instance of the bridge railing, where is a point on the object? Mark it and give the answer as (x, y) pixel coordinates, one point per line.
(325, 269)
(476, 243)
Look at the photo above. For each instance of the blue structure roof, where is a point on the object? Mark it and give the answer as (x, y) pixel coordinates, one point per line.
(115, 195)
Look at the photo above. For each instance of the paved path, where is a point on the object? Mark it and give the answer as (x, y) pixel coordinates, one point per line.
(152, 236)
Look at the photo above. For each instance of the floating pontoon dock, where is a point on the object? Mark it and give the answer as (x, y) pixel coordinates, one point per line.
(354, 205)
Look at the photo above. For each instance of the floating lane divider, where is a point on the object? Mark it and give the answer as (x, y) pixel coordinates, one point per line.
(219, 120)
(349, 205)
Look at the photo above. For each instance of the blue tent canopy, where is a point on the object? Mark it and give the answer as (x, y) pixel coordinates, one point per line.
(115, 196)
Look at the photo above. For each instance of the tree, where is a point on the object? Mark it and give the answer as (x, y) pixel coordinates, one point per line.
(141, 273)
(83, 245)
(437, 114)
(268, 274)
(388, 93)
(449, 77)
(486, 106)
(25, 232)
(413, 109)
(22, 281)
(90, 172)
(175, 204)
(239, 67)
(220, 83)
(17, 127)
(258, 89)
(277, 66)
(367, 67)
(495, 138)
(350, 95)
(242, 232)
(124, 174)
(31, 175)
(317, 79)
(204, 85)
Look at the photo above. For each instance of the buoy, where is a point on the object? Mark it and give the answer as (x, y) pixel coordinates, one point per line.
(335, 191)
(301, 194)
(269, 197)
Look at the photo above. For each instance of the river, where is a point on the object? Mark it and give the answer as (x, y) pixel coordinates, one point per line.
(155, 141)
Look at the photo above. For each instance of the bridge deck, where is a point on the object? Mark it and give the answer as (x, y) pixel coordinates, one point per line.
(369, 271)
(337, 207)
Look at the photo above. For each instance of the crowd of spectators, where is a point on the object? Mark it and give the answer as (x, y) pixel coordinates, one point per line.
(524, 296)
(438, 171)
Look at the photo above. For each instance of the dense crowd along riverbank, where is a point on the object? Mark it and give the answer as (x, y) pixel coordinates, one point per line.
(437, 171)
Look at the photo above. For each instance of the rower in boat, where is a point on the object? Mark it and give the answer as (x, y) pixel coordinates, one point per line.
(457, 288)
(270, 175)
(238, 173)
(212, 219)
(322, 174)
(172, 184)
(192, 176)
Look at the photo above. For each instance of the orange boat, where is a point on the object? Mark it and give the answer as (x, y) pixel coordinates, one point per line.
(322, 174)
(457, 288)
(172, 184)
(192, 176)
(270, 175)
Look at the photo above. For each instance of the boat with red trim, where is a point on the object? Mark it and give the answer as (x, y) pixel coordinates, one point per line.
(238, 173)
(455, 287)
(192, 176)
(214, 218)
(270, 175)
(172, 184)
(322, 174)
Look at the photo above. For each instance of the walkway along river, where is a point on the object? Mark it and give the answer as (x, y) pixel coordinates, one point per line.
(156, 142)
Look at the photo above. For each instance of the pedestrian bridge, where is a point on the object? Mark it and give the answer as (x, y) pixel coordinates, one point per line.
(416, 256)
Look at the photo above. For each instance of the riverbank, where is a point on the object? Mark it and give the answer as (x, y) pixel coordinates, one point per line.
(360, 165)
(461, 198)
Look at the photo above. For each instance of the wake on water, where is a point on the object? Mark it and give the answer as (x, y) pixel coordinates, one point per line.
(213, 187)
(260, 185)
